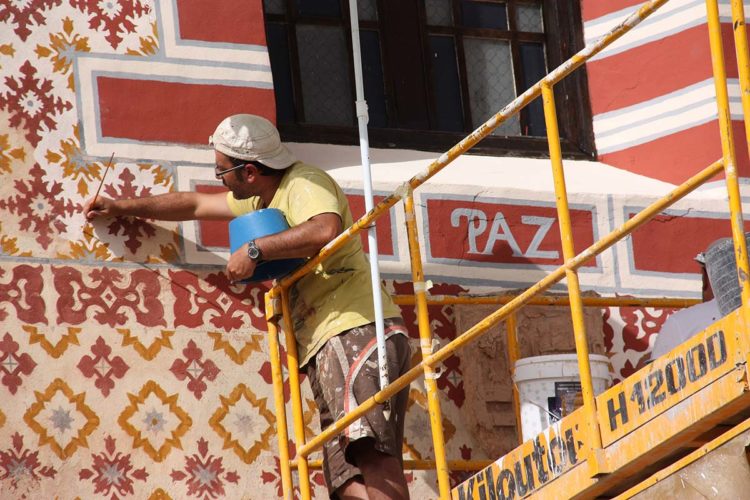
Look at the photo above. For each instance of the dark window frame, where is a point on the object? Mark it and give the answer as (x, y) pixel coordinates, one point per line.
(562, 38)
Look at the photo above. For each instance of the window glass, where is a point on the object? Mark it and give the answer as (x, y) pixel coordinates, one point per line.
(326, 88)
(278, 51)
(433, 71)
(367, 10)
(534, 69)
(529, 18)
(446, 84)
(484, 15)
(490, 76)
(439, 12)
(372, 76)
(274, 6)
(319, 8)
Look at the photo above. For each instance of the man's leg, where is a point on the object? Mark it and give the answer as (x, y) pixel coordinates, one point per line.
(353, 489)
(378, 456)
(343, 480)
(383, 473)
(344, 372)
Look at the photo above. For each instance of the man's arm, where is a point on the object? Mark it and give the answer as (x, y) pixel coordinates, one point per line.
(170, 206)
(303, 240)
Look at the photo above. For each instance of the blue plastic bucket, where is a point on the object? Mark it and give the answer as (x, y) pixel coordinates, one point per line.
(255, 225)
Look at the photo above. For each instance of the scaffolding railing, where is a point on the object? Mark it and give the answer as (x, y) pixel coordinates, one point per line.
(277, 298)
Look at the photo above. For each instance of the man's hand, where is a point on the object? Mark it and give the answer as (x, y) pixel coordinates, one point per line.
(98, 207)
(240, 266)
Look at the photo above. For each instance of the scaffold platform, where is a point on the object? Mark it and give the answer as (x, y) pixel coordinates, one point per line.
(651, 421)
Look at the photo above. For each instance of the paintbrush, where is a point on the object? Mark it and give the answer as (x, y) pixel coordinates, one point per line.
(101, 183)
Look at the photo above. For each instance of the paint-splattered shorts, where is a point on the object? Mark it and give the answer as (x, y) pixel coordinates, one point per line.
(343, 374)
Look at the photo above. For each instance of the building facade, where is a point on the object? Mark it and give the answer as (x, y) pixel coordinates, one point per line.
(131, 367)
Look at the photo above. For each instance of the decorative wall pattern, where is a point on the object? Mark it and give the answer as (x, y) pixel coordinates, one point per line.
(129, 366)
(639, 89)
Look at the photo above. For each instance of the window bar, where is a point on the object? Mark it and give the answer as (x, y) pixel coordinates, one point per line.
(576, 307)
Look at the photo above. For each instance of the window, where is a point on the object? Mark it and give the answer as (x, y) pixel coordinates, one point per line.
(433, 71)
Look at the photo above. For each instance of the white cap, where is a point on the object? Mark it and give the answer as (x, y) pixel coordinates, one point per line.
(252, 138)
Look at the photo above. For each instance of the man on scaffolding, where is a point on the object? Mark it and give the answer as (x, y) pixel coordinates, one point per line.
(332, 307)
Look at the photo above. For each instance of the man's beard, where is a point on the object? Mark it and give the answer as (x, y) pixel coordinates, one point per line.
(241, 196)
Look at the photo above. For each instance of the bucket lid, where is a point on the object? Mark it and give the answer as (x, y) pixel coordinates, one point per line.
(559, 366)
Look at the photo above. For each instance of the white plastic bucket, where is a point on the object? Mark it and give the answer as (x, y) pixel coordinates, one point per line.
(543, 381)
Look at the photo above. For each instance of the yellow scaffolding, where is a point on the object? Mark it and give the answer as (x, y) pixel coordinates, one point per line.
(604, 449)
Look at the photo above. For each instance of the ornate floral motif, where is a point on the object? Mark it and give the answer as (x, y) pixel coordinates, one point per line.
(159, 494)
(8, 153)
(24, 14)
(457, 476)
(442, 323)
(18, 463)
(155, 421)
(62, 49)
(90, 248)
(109, 296)
(274, 476)
(149, 45)
(161, 176)
(112, 470)
(103, 366)
(24, 292)
(9, 246)
(71, 420)
(40, 206)
(113, 16)
(55, 349)
(265, 373)
(632, 345)
(609, 332)
(204, 474)
(30, 102)
(418, 425)
(133, 228)
(74, 163)
(195, 369)
(7, 49)
(221, 305)
(237, 345)
(161, 339)
(13, 364)
(640, 324)
(237, 422)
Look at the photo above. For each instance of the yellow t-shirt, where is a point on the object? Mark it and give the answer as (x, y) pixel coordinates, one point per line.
(337, 295)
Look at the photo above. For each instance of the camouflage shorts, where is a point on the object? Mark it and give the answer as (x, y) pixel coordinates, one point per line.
(344, 373)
